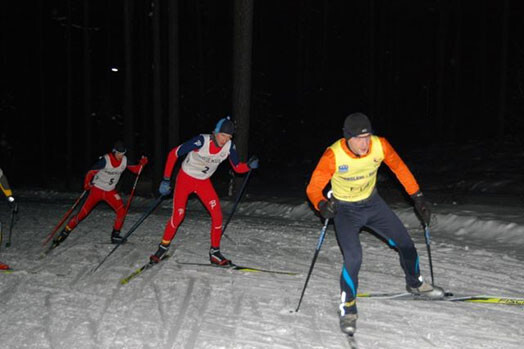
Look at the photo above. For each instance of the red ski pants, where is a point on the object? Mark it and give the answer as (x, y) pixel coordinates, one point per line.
(95, 196)
(186, 185)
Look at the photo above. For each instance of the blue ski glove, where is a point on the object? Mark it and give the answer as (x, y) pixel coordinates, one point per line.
(165, 187)
(253, 162)
(421, 207)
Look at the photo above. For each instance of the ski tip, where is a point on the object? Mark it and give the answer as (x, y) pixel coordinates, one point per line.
(352, 341)
(246, 269)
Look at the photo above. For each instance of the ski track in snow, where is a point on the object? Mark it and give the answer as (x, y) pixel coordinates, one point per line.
(59, 302)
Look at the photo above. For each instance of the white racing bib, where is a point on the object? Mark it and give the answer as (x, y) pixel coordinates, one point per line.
(202, 164)
(108, 177)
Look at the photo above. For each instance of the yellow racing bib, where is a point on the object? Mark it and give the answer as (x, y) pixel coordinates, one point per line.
(355, 178)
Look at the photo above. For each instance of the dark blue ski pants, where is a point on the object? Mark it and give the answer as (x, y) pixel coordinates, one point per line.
(375, 214)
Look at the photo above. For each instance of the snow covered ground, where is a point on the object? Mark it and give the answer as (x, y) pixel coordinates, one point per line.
(59, 302)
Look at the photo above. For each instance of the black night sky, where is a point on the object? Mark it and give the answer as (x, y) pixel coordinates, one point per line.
(426, 72)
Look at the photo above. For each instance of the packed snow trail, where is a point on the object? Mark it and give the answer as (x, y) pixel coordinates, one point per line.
(58, 302)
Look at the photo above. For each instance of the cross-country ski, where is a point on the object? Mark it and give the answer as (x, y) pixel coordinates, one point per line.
(140, 270)
(450, 297)
(240, 268)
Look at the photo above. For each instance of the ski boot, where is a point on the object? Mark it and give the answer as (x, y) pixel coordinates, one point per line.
(348, 324)
(159, 254)
(116, 238)
(348, 317)
(215, 257)
(425, 289)
(61, 237)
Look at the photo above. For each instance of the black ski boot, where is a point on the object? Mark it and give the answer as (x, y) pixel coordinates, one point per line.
(215, 257)
(116, 238)
(159, 254)
(61, 237)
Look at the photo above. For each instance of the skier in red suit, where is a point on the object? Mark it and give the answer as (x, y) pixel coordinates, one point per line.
(101, 182)
(204, 153)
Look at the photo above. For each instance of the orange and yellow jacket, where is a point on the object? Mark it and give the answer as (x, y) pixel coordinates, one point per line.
(354, 178)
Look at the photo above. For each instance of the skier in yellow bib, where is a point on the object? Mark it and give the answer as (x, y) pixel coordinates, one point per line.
(351, 165)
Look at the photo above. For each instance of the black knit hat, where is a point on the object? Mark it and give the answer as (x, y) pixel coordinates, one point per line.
(225, 125)
(356, 124)
(119, 147)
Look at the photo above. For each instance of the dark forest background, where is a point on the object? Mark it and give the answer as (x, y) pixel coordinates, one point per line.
(426, 72)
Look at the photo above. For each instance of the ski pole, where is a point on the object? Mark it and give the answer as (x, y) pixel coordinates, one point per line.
(239, 196)
(317, 250)
(133, 190)
(133, 228)
(428, 243)
(66, 215)
(14, 211)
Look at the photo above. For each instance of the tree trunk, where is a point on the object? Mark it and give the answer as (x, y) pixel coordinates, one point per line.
(441, 69)
(503, 70)
(44, 156)
(129, 117)
(242, 47)
(144, 66)
(157, 100)
(382, 58)
(300, 65)
(371, 69)
(201, 61)
(457, 101)
(173, 75)
(69, 99)
(88, 150)
(483, 71)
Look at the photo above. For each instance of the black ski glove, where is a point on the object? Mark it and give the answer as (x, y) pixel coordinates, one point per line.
(421, 207)
(327, 208)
